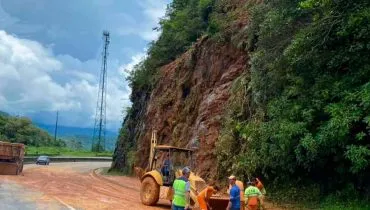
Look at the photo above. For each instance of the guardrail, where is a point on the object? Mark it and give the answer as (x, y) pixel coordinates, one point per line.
(28, 160)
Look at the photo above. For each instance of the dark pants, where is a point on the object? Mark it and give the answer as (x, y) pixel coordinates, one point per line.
(235, 209)
(174, 207)
(165, 171)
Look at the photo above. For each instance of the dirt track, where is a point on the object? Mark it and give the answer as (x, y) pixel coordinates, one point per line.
(76, 187)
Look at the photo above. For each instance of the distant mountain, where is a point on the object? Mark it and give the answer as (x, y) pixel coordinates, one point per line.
(4, 114)
(67, 130)
(83, 135)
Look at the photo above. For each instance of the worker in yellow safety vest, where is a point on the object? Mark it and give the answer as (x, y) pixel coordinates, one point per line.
(252, 196)
(181, 187)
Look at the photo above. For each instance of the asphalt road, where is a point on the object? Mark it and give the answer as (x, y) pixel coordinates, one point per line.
(70, 186)
(14, 195)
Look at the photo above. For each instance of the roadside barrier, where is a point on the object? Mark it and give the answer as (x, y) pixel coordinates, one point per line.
(30, 160)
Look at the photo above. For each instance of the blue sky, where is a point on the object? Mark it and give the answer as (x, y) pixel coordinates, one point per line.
(50, 55)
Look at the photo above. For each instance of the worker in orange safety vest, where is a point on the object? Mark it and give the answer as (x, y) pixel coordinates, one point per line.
(260, 186)
(205, 195)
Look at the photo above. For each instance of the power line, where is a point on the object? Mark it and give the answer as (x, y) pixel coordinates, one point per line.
(56, 126)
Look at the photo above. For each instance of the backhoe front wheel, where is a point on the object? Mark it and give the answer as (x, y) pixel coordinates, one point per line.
(149, 193)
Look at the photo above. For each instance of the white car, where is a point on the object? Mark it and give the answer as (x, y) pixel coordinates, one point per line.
(43, 160)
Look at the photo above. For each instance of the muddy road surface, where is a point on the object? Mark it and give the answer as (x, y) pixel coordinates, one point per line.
(71, 186)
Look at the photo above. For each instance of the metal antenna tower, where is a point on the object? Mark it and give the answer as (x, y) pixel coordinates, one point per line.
(98, 142)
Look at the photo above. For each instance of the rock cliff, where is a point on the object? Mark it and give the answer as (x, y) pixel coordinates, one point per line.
(187, 103)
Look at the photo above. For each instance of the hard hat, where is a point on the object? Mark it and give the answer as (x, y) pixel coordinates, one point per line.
(232, 177)
(186, 170)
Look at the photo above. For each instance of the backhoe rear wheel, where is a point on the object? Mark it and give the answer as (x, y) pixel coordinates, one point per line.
(149, 193)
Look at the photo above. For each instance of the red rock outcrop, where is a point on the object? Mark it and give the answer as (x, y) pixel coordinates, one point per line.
(188, 103)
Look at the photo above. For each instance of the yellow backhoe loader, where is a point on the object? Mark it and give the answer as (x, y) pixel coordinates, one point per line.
(165, 165)
(157, 182)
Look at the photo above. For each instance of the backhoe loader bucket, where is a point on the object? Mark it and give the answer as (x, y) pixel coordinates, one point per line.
(221, 202)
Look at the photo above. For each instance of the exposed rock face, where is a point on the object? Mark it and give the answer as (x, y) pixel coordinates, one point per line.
(189, 101)
(132, 128)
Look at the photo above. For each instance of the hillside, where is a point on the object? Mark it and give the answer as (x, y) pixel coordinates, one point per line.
(73, 135)
(274, 89)
(22, 130)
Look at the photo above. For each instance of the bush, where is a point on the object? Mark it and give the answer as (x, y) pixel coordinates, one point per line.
(307, 115)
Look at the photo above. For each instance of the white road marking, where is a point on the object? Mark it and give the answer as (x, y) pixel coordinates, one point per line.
(66, 205)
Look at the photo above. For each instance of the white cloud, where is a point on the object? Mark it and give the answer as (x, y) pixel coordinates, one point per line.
(135, 59)
(33, 80)
(83, 76)
(152, 10)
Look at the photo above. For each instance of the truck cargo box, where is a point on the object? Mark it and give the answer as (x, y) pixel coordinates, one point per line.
(11, 158)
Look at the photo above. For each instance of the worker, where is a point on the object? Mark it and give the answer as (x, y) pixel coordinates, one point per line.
(260, 186)
(241, 188)
(262, 189)
(252, 195)
(205, 195)
(166, 167)
(234, 202)
(181, 187)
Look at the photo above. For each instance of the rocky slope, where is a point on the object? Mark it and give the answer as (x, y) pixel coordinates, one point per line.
(188, 103)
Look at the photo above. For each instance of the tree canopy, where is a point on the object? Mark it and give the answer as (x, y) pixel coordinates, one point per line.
(306, 113)
(184, 22)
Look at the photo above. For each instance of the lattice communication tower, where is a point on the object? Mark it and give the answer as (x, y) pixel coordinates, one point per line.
(98, 142)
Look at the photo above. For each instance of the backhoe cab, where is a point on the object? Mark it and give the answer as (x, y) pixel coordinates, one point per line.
(173, 159)
(165, 165)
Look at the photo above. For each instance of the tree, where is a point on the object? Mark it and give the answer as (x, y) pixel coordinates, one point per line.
(309, 95)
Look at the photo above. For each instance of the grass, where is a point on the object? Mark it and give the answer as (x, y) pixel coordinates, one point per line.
(63, 151)
(348, 206)
(309, 197)
(337, 204)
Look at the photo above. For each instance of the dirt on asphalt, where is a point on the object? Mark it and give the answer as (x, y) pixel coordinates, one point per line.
(72, 186)
(79, 188)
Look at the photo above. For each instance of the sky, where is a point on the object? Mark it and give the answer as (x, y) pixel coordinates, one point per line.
(50, 56)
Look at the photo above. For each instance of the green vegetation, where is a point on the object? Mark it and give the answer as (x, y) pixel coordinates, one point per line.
(39, 142)
(21, 130)
(333, 203)
(184, 23)
(63, 151)
(303, 114)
